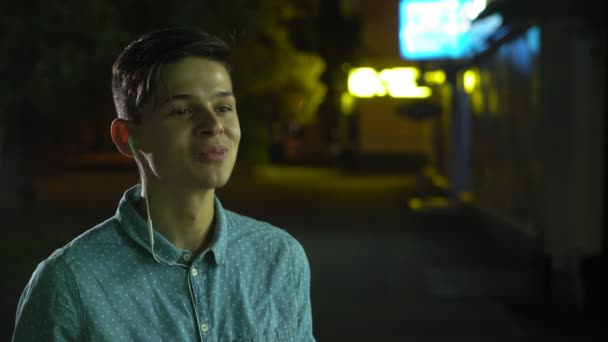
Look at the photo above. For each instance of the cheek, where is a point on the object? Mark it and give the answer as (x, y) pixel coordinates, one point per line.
(235, 132)
(238, 135)
(171, 145)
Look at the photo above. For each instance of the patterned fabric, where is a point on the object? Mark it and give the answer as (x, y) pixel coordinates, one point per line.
(252, 283)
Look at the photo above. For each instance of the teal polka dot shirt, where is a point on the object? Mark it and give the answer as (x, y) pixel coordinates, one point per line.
(252, 283)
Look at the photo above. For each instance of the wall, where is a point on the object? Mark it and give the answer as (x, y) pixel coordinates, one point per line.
(505, 158)
(538, 145)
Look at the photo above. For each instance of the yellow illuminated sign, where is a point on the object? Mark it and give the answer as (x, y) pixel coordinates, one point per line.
(434, 77)
(364, 82)
(469, 81)
(395, 82)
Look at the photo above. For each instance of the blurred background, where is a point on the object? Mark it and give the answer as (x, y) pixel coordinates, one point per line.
(441, 161)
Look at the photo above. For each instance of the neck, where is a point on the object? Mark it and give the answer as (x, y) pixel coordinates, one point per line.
(184, 217)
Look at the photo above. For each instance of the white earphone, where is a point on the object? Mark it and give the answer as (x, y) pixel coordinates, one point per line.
(131, 143)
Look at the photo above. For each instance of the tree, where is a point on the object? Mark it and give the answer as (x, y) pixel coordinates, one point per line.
(57, 57)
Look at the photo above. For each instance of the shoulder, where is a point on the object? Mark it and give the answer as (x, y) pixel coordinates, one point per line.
(83, 251)
(106, 232)
(263, 237)
(51, 283)
(50, 307)
(52, 272)
(59, 271)
(241, 226)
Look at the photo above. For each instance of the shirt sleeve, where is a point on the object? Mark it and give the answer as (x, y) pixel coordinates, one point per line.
(302, 295)
(49, 308)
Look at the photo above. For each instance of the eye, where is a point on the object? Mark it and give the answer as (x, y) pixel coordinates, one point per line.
(224, 109)
(184, 111)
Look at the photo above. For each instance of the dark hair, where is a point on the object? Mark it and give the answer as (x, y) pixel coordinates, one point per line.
(136, 71)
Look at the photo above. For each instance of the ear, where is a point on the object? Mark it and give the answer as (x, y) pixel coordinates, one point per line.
(121, 130)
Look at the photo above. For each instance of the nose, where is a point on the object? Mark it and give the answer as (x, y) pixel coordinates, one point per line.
(210, 125)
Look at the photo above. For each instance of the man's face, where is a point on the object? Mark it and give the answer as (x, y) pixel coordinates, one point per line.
(190, 132)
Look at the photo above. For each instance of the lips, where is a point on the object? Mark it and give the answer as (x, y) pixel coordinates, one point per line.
(213, 154)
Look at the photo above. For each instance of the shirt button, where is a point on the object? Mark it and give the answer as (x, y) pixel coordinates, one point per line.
(204, 327)
(194, 272)
(187, 256)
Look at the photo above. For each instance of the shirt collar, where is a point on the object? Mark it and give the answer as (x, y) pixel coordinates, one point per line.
(137, 228)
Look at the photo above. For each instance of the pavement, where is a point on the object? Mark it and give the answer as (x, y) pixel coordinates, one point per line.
(380, 271)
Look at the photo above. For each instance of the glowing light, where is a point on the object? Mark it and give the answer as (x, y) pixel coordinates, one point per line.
(469, 81)
(434, 77)
(431, 29)
(414, 204)
(395, 82)
(477, 102)
(410, 74)
(347, 103)
(472, 9)
(363, 82)
(533, 38)
(401, 82)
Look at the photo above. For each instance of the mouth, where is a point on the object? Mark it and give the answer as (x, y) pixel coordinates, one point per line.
(213, 154)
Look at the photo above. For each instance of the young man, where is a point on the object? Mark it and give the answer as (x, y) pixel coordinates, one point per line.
(173, 264)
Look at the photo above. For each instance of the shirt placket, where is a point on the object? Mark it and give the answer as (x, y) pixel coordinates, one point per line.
(197, 296)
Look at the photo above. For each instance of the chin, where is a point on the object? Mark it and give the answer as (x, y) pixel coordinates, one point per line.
(214, 181)
(212, 177)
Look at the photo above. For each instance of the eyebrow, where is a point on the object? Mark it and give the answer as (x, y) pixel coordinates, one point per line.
(217, 94)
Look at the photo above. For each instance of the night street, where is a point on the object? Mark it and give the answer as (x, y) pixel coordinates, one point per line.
(379, 271)
(441, 162)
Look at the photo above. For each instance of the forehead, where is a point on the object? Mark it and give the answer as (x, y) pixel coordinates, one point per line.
(194, 74)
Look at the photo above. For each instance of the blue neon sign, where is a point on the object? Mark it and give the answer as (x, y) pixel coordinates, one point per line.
(441, 29)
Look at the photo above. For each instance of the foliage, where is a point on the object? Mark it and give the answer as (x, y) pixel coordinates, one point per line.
(57, 55)
(269, 67)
